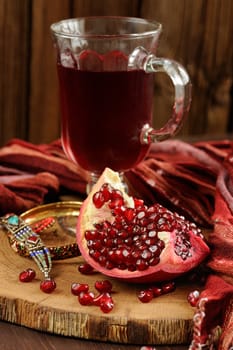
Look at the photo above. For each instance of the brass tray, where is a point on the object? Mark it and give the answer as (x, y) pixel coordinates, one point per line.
(59, 237)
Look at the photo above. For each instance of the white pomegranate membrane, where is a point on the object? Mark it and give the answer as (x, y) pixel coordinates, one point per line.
(122, 237)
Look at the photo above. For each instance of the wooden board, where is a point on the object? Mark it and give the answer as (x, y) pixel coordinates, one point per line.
(165, 320)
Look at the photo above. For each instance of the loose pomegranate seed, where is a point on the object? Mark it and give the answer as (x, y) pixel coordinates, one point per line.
(106, 304)
(86, 298)
(193, 297)
(103, 286)
(86, 269)
(145, 296)
(157, 291)
(48, 285)
(168, 287)
(77, 288)
(27, 275)
(101, 298)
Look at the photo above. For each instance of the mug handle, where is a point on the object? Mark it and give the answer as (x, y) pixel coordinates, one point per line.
(182, 98)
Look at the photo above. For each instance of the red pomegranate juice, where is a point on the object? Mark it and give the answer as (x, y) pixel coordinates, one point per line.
(102, 116)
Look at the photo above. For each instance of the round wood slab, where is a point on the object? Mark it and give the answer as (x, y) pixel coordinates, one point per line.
(165, 320)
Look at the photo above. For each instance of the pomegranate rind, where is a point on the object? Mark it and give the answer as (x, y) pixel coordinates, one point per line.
(170, 266)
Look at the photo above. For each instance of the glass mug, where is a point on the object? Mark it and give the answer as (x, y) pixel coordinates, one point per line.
(106, 69)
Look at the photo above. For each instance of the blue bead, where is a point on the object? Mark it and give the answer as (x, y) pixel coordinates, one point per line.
(13, 220)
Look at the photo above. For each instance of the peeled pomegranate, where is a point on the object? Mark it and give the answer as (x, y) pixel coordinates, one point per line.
(121, 237)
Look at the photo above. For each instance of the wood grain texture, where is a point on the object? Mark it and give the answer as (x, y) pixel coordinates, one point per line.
(15, 337)
(14, 68)
(196, 33)
(106, 7)
(44, 123)
(165, 320)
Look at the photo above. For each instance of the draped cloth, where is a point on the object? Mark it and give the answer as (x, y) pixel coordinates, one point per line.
(195, 180)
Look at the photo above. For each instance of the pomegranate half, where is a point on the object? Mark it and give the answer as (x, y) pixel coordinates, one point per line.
(121, 237)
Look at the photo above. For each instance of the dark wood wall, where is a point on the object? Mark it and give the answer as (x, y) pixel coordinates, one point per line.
(197, 33)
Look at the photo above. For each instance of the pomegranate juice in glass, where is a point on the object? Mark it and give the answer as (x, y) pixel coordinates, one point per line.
(106, 69)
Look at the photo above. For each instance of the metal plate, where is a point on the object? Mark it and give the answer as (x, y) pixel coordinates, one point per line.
(60, 237)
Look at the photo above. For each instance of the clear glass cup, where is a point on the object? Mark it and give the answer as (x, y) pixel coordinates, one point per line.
(106, 69)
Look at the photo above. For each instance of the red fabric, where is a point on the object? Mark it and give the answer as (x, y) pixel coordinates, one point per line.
(213, 309)
(179, 175)
(33, 159)
(33, 174)
(21, 195)
(216, 300)
(182, 177)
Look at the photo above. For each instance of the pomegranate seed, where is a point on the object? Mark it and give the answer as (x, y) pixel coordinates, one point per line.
(109, 265)
(157, 291)
(117, 211)
(145, 296)
(91, 235)
(193, 297)
(132, 268)
(102, 297)
(86, 269)
(161, 244)
(138, 203)
(129, 214)
(96, 245)
(98, 199)
(122, 266)
(123, 234)
(168, 287)
(146, 254)
(106, 191)
(155, 250)
(118, 202)
(77, 288)
(95, 254)
(48, 285)
(141, 265)
(106, 304)
(86, 298)
(141, 215)
(102, 260)
(103, 286)
(152, 234)
(116, 194)
(27, 275)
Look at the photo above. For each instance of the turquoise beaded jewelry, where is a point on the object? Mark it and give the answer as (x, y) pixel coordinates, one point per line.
(23, 235)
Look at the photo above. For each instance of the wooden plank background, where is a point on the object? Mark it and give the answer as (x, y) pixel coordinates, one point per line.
(197, 33)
